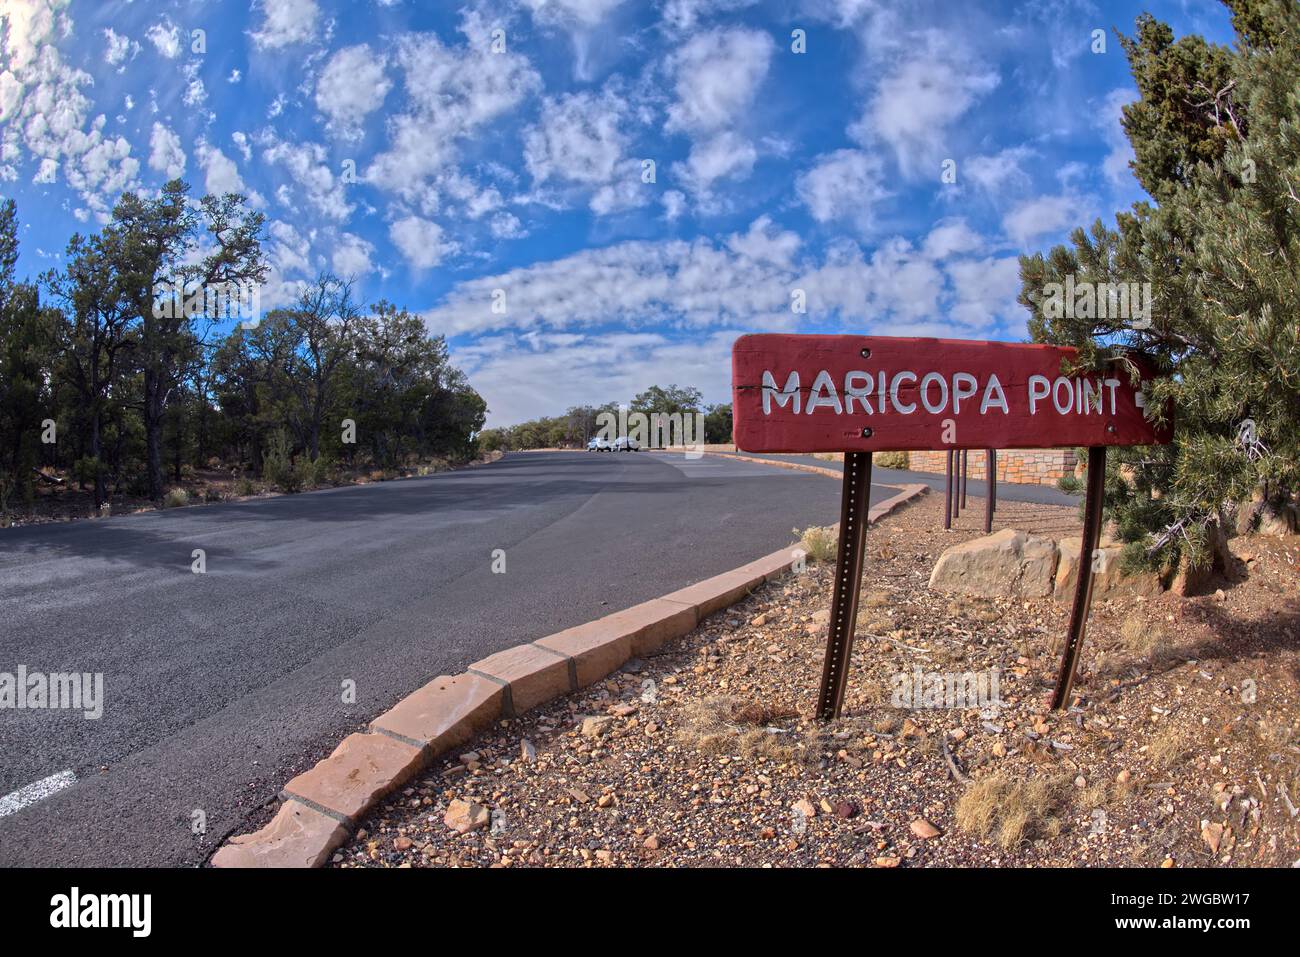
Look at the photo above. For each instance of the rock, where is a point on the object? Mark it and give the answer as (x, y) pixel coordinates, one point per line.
(845, 810)
(805, 807)
(469, 757)
(1123, 777)
(1006, 563)
(888, 861)
(1213, 835)
(651, 843)
(1106, 576)
(604, 856)
(595, 727)
(527, 751)
(759, 621)
(924, 829)
(465, 816)
(402, 843)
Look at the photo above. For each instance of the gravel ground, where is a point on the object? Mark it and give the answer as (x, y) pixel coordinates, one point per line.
(1182, 748)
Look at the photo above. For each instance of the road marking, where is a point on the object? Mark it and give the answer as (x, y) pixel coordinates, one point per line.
(36, 791)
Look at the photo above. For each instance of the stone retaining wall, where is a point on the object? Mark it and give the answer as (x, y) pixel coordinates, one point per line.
(1030, 466)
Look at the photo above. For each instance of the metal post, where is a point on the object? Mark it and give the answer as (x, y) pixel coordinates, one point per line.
(965, 474)
(993, 479)
(947, 495)
(989, 480)
(854, 504)
(956, 485)
(1092, 508)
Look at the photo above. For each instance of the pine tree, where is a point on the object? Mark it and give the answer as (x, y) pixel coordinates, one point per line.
(1216, 136)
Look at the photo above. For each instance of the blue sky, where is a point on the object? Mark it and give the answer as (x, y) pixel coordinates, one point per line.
(488, 164)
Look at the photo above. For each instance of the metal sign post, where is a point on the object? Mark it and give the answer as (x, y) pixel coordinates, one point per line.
(854, 505)
(1092, 510)
(865, 394)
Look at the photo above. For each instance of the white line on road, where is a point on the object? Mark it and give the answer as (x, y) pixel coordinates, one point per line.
(36, 791)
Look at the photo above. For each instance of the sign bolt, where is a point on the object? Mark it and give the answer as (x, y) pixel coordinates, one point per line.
(866, 433)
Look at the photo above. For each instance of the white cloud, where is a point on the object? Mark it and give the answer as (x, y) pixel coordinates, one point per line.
(682, 15)
(745, 281)
(577, 138)
(1116, 164)
(165, 37)
(419, 241)
(195, 93)
(525, 375)
(998, 172)
(580, 139)
(718, 74)
(165, 152)
(351, 87)
(221, 174)
(1044, 215)
(951, 237)
(724, 156)
(452, 94)
(44, 113)
(586, 12)
(308, 164)
(352, 256)
(916, 103)
(286, 22)
(843, 185)
(119, 48)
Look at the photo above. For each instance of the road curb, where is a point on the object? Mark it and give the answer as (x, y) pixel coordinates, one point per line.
(324, 804)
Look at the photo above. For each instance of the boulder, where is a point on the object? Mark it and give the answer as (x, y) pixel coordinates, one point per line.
(1106, 576)
(1004, 564)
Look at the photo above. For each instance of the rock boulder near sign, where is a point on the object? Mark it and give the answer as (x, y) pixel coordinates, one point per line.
(1006, 563)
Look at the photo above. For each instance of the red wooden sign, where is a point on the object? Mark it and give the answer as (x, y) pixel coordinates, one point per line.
(872, 393)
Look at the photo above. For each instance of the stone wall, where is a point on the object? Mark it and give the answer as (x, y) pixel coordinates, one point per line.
(1029, 466)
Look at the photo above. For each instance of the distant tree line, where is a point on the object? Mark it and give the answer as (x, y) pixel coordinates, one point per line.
(109, 385)
(582, 422)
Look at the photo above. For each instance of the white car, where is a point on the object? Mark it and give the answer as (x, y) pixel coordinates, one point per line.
(599, 444)
(625, 444)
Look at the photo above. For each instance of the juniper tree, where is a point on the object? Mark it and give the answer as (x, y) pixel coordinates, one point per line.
(1216, 138)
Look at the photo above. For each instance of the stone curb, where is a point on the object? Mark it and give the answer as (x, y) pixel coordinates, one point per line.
(322, 805)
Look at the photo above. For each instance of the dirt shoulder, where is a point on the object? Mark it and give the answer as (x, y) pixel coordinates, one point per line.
(1184, 749)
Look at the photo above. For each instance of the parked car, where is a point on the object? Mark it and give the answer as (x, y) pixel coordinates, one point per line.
(599, 444)
(625, 444)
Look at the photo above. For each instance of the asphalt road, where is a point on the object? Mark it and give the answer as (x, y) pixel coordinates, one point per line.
(218, 687)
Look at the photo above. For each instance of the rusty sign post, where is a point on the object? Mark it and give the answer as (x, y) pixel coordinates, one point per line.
(865, 394)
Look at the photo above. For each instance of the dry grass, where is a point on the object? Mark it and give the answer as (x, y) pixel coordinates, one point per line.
(1011, 810)
(1141, 637)
(1167, 747)
(819, 542)
(729, 725)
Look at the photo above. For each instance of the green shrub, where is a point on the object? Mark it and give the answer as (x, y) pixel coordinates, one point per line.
(244, 486)
(890, 460)
(278, 463)
(175, 498)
